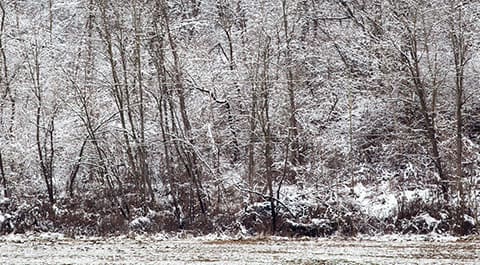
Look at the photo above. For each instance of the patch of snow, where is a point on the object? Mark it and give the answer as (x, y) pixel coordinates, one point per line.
(360, 191)
(296, 198)
(5, 218)
(411, 195)
(317, 221)
(58, 211)
(4, 200)
(215, 237)
(444, 216)
(140, 223)
(469, 219)
(160, 237)
(14, 238)
(231, 177)
(432, 237)
(429, 220)
(51, 236)
(380, 206)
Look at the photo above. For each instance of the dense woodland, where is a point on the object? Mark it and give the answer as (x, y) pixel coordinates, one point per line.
(241, 116)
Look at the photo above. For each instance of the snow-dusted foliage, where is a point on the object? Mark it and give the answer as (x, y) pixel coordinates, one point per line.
(287, 117)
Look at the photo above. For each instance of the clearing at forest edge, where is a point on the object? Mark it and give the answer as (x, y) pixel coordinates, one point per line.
(45, 249)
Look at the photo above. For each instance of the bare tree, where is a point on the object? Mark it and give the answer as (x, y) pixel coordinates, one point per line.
(416, 39)
(292, 142)
(5, 83)
(461, 54)
(185, 146)
(44, 132)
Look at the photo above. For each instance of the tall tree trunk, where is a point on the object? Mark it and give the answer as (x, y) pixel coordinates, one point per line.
(293, 127)
(252, 134)
(267, 132)
(142, 151)
(413, 62)
(190, 157)
(76, 168)
(5, 78)
(460, 56)
(4, 179)
(45, 158)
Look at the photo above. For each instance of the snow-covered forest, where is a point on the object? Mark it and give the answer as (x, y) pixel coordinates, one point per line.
(289, 117)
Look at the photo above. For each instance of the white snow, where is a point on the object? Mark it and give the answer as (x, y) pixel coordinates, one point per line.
(296, 199)
(4, 217)
(51, 236)
(424, 194)
(216, 249)
(379, 204)
(317, 221)
(4, 200)
(469, 219)
(429, 219)
(13, 238)
(58, 211)
(140, 222)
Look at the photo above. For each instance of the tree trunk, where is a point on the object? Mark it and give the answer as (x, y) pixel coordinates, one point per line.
(293, 127)
(267, 133)
(190, 159)
(460, 56)
(4, 179)
(429, 119)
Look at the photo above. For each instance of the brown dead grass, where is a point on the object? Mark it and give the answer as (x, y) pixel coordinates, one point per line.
(242, 241)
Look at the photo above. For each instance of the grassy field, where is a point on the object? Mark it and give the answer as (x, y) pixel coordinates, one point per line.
(143, 250)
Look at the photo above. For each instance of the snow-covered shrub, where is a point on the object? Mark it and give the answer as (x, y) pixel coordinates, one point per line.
(28, 216)
(421, 213)
(140, 224)
(315, 228)
(422, 224)
(463, 223)
(74, 220)
(256, 218)
(469, 224)
(6, 225)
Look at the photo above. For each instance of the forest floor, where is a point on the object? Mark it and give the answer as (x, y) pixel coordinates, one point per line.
(57, 249)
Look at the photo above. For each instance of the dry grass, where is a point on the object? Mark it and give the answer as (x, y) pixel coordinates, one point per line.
(242, 241)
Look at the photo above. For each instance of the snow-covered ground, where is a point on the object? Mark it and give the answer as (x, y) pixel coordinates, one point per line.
(56, 249)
